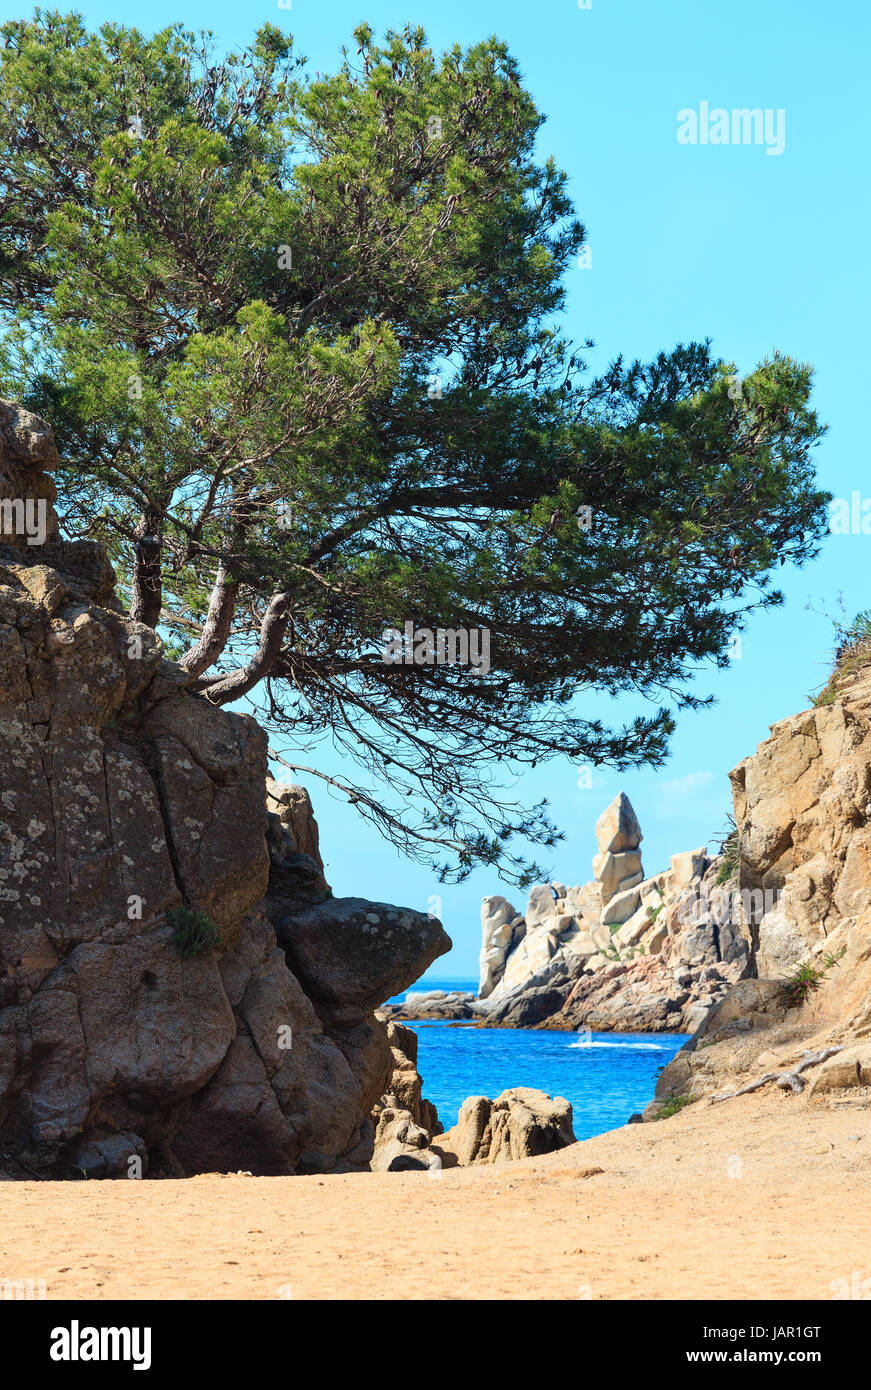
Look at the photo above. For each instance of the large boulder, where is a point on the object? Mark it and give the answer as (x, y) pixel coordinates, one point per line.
(350, 955)
(133, 809)
(617, 829)
(520, 1123)
(848, 1070)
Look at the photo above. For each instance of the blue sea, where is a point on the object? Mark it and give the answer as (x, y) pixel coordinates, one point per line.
(606, 1078)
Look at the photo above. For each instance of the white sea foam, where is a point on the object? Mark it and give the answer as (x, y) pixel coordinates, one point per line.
(625, 1046)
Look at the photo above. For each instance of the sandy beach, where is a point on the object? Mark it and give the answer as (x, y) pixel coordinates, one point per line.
(762, 1197)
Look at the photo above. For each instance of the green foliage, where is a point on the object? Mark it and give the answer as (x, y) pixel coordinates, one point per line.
(852, 651)
(730, 862)
(806, 978)
(192, 932)
(827, 696)
(673, 1106)
(729, 849)
(833, 958)
(298, 339)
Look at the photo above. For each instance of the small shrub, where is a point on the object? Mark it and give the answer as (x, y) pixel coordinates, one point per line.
(672, 1106)
(830, 959)
(852, 652)
(806, 978)
(192, 932)
(802, 983)
(826, 696)
(729, 850)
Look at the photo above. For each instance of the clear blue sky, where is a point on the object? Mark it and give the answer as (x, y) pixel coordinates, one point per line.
(755, 251)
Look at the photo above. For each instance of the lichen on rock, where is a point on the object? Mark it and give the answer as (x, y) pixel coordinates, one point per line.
(125, 798)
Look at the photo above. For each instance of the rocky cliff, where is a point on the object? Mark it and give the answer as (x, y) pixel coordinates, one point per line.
(763, 952)
(623, 952)
(179, 990)
(803, 865)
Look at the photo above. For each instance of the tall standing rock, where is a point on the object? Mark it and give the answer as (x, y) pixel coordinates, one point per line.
(617, 829)
(617, 866)
(502, 929)
(125, 799)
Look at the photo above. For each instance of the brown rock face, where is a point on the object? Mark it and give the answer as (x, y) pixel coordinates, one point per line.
(404, 1122)
(125, 799)
(803, 814)
(521, 1123)
(803, 806)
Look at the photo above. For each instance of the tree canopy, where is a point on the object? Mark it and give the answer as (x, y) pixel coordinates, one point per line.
(298, 337)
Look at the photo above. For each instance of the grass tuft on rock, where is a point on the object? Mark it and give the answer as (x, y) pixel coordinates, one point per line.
(806, 978)
(192, 932)
(852, 653)
(672, 1106)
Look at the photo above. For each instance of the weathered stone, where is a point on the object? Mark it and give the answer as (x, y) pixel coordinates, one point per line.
(350, 955)
(403, 1122)
(621, 907)
(293, 807)
(634, 928)
(126, 798)
(845, 1071)
(687, 867)
(533, 952)
(541, 906)
(499, 936)
(617, 872)
(520, 1123)
(617, 828)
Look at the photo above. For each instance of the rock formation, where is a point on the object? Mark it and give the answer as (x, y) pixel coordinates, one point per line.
(803, 865)
(404, 1122)
(502, 930)
(763, 952)
(619, 953)
(622, 952)
(135, 816)
(521, 1123)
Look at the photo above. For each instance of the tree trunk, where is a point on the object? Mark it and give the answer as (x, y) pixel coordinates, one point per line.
(218, 625)
(147, 597)
(234, 684)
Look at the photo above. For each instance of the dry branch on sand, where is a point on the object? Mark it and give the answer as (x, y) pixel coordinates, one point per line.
(786, 1080)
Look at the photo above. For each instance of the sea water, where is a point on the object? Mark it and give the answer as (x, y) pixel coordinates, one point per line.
(606, 1076)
